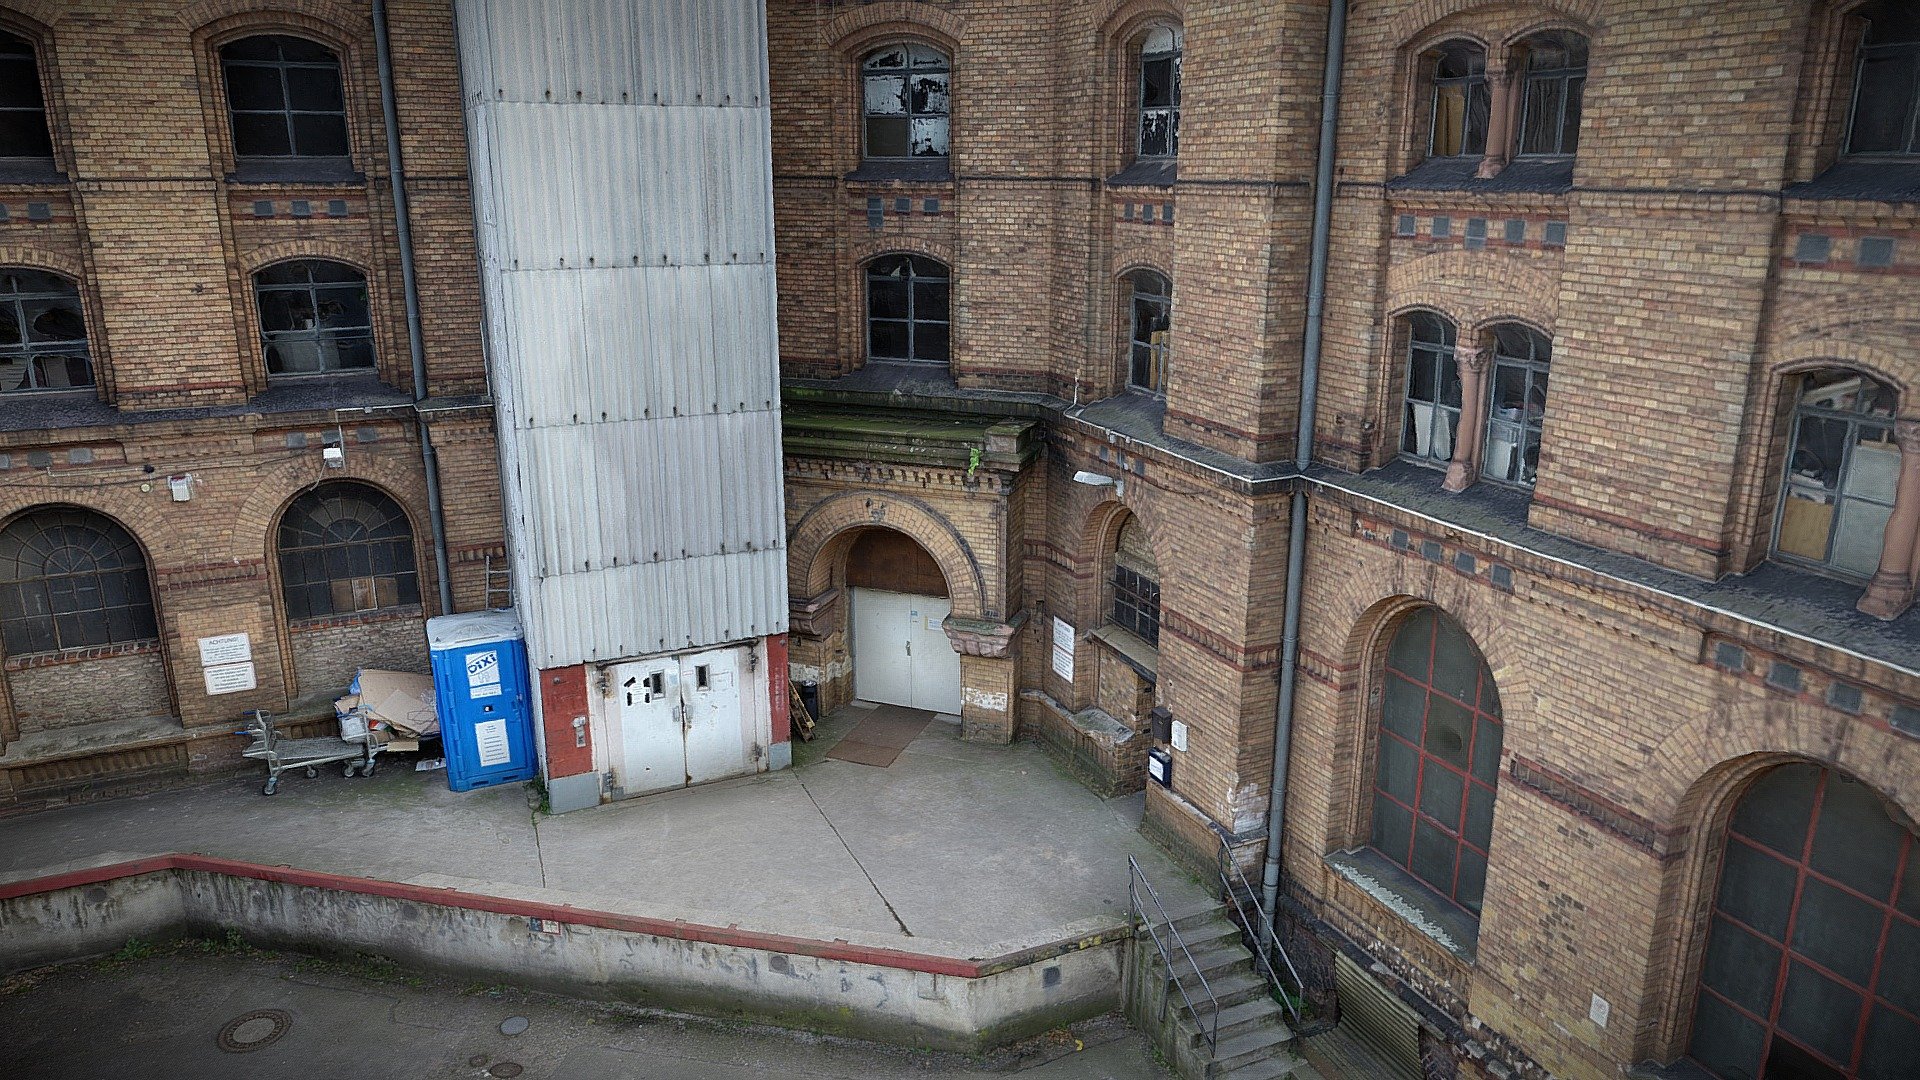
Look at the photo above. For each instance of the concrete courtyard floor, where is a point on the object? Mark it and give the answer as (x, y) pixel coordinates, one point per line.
(956, 849)
(160, 1016)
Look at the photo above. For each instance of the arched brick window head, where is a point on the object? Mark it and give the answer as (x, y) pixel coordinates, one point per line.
(1438, 760)
(346, 547)
(907, 310)
(1160, 58)
(1812, 964)
(1150, 346)
(1136, 583)
(43, 334)
(287, 106)
(24, 140)
(1886, 95)
(71, 579)
(905, 102)
(314, 317)
(1433, 389)
(1462, 102)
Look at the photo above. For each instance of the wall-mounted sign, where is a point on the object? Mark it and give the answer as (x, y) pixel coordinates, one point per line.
(1063, 649)
(229, 678)
(225, 649)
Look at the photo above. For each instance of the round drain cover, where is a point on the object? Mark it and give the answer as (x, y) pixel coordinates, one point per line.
(513, 1025)
(506, 1070)
(477, 1060)
(251, 1031)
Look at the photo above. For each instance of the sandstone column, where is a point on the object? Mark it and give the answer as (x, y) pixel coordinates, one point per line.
(1891, 589)
(1470, 433)
(1504, 101)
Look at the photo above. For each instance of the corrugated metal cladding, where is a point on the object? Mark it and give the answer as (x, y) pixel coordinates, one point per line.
(623, 184)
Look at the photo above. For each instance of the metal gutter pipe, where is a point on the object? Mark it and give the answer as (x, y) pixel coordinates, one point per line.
(416, 345)
(1303, 452)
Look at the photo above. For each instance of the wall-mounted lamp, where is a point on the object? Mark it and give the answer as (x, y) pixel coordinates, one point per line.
(1094, 479)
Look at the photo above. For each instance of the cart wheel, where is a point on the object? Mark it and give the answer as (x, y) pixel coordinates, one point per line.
(268, 790)
(312, 772)
(368, 771)
(347, 769)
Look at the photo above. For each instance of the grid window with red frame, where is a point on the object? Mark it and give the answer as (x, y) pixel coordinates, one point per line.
(1438, 759)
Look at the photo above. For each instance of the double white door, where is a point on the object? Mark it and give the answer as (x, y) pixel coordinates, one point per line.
(901, 655)
(681, 720)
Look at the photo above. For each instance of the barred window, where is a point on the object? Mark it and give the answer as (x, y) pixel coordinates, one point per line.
(43, 335)
(23, 110)
(1160, 92)
(1462, 104)
(1886, 90)
(346, 547)
(285, 98)
(905, 100)
(1555, 84)
(71, 579)
(1433, 389)
(907, 309)
(1136, 583)
(314, 317)
(1151, 344)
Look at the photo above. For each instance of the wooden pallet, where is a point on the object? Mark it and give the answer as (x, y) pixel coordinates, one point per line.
(802, 720)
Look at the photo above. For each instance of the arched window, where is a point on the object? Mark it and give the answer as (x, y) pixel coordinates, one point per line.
(907, 310)
(1886, 88)
(285, 98)
(1462, 104)
(1160, 92)
(1555, 66)
(23, 111)
(1439, 758)
(1842, 467)
(1433, 388)
(1517, 407)
(904, 93)
(71, 579)
(1812, 964)
(314, 317)
(345, 547)
(1151, 344)
(1136, 583)
(43, 335)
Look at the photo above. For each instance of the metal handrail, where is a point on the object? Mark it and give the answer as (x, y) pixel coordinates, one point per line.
(1265, 937)
(1135, 910)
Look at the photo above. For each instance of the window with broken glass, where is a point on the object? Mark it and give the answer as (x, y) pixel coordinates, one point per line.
(905, 102)
(285, 99)
(907, 298)
(1152, 341)
(1842, 467)
(71, 579)
(1462, 103)
(1517, 407)
(1555, 82)
(1886, 94)
(1438, 757)
(1433, 389)
(43, 335)
(1136, 583)
(314, 317)
(23, 111)
(1160, 92)
(344, 548)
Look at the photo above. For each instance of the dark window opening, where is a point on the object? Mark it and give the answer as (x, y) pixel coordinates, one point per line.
(1160, 92)
(43, 334)
(314, 317)
(23, 110)
(905, 102)
(1556, 80)
(285, 99)
(1433, 389)
(1462, 103)
(1438, 758)
(907, 314)
(344, 548)
(1151, 344)
(1136, 584)
(71, 579)
(1842, 467)
(1517, 407)
(1886, 87)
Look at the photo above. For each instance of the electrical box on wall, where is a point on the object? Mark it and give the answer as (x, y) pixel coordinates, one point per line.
(1162, 719)
(181, 486)
(1160, 766)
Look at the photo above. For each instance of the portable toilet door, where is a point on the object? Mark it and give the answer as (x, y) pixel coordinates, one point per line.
(480, 683)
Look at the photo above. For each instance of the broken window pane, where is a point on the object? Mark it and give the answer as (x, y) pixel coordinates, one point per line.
(314, 317)
(930, 95)
(1518, 405)
(1842, 468)
(43, 335)
(886, 95)
(891, 58)
(69, 579)
(1152, 340)
(905, 98)
(1160, 94)
(929, 136)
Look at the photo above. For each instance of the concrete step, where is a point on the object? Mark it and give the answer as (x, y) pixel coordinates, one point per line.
(1200, 933)
(1247, 1048)
(1241, 1018)
(1236, 987)
(1288, 1066)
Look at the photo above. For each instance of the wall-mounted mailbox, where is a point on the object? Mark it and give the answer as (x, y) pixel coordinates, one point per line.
(1162, 719)
(1160, 766)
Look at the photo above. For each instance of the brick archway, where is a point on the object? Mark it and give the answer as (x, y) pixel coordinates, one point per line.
(818, 543)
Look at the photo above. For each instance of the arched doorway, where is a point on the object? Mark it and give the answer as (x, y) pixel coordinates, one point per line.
(901, 653)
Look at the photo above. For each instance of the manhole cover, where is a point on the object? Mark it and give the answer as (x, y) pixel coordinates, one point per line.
(477, 1060)
(251, 1031)
(505, 1070)
(513, 1025)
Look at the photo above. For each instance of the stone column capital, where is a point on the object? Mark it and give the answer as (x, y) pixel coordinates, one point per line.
(810, 616)
(1906, 432)
(1473, 359)
(982, 637)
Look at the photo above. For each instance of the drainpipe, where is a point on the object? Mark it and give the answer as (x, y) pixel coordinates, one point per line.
(1303, 453)
(416, 346)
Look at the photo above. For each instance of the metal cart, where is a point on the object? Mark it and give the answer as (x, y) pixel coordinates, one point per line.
(353, 753)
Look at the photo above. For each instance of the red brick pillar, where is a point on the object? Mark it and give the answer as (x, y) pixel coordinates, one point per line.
(1503, 94)
(1891, 589)
(1469, 435)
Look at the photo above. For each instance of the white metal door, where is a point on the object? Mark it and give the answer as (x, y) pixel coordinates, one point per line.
(901, 656)
(936, 667)
(711, 714)
(652, 746)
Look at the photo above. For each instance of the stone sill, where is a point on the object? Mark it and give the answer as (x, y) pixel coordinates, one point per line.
(1415, 904)
(80, 655)
(1131, 650)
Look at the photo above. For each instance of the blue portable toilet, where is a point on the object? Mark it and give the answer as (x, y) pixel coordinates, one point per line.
(480, 687)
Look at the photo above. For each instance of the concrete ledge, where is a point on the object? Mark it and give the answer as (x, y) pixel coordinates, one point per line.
(871, 992)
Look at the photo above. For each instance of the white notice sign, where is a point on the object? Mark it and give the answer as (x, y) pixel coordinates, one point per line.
(491, 735)
(1063, 649)
(225, 649)
(229, 678)
(483, 674)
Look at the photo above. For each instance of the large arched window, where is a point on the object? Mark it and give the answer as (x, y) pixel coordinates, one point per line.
(1160, 92)
(43, 335)
(24, 139)
(285, 100)
(314, 317)
(1554, 82)
(1462, 105)
(346, 547)
(1517, 407)
(1886, 93)
(1151, 344)
(1136, 583)
(1439, 758)
(1842, 468)
(905, 102)
(71, 579)
(1812, 964)
(1433, 388)
(907, 310)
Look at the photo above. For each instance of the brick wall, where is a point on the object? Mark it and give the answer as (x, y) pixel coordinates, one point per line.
(326, 654)
(51, 696)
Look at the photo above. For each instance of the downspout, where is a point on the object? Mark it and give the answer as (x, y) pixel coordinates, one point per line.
(416, 345)
(1303, 453)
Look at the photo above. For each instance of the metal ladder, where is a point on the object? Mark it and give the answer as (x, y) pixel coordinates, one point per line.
(499, 584)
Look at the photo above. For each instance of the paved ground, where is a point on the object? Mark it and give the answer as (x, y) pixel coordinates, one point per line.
(160, 1017)
(955, 849)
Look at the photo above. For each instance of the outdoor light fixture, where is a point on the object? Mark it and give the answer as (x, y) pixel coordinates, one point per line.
(1094, 479)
